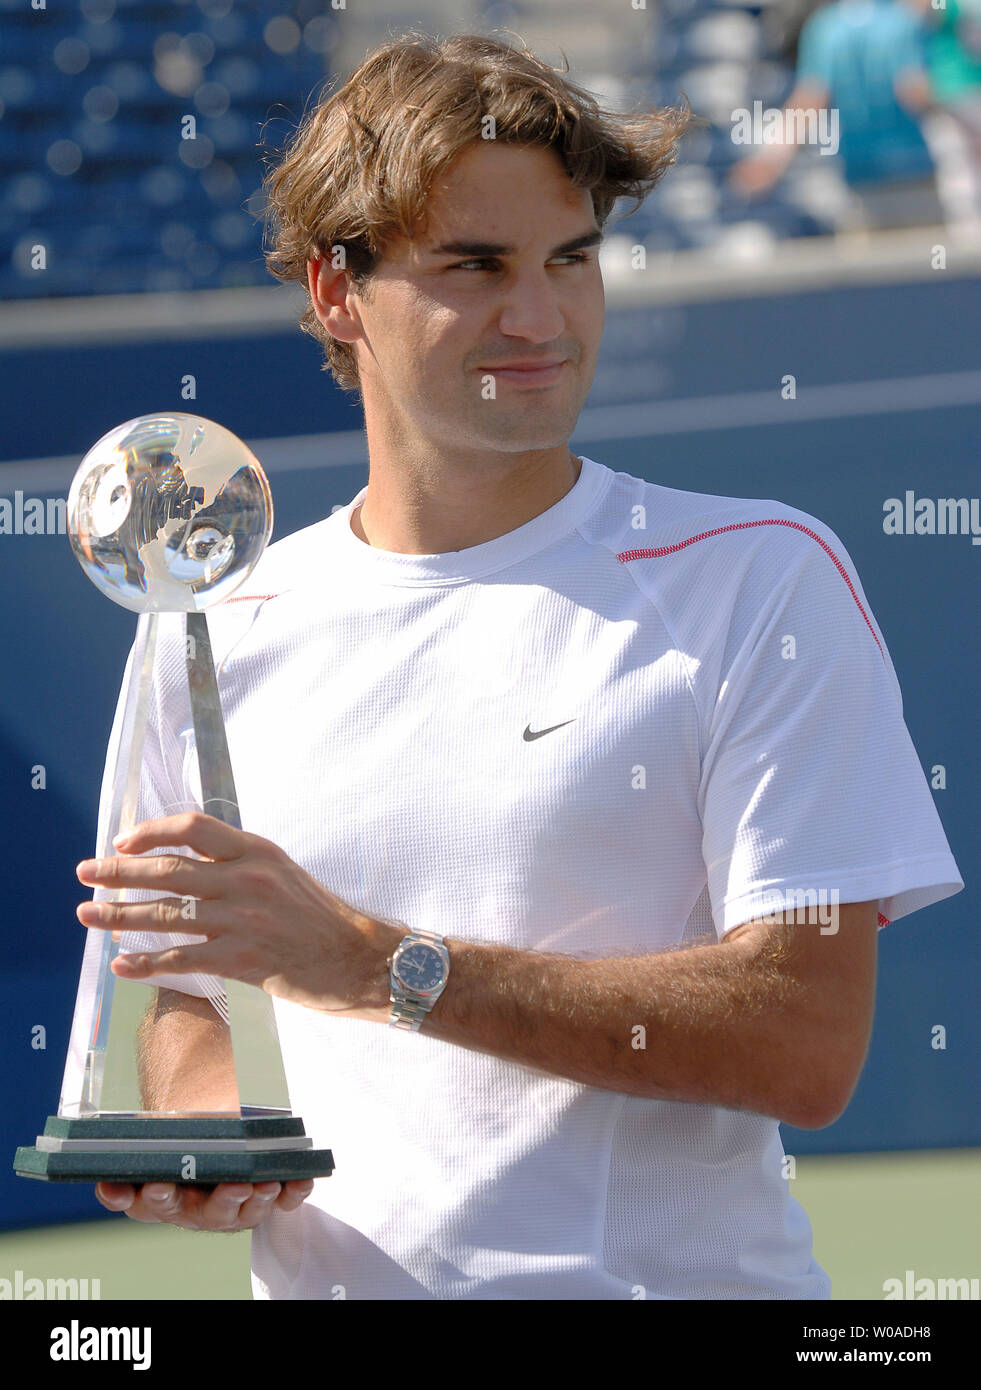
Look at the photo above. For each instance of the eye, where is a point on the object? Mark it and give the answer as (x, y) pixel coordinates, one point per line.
(483, 261)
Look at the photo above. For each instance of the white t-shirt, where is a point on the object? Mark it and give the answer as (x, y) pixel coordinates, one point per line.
(729, 733)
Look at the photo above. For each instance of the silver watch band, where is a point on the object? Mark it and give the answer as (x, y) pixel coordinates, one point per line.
(421, 934)
(408, 1013)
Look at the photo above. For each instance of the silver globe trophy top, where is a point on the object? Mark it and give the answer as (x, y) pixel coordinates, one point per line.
(169, 513)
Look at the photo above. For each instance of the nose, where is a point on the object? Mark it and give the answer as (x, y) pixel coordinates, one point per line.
(531, 309)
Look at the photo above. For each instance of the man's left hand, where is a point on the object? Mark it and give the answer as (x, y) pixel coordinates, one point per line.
(267, 921)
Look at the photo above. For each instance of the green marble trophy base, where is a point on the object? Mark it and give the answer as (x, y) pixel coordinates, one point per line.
(194, 1150)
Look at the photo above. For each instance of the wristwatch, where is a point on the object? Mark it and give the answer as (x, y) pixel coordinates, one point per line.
(418, 974)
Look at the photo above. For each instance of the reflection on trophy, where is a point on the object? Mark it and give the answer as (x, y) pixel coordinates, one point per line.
(168, 514)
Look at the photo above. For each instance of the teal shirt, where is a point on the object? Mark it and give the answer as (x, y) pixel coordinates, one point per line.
(954, 49)
(856, 49)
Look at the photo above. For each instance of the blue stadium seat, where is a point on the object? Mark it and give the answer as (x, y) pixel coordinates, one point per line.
(105, 221)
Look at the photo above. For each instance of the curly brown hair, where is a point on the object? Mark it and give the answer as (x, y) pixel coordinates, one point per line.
(357, 170)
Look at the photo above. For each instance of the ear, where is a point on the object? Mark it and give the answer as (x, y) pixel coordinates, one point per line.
(331, 296)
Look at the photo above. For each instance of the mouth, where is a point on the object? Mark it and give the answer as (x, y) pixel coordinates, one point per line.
(527, 374)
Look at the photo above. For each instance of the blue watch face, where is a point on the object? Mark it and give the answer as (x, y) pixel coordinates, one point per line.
(420, 967)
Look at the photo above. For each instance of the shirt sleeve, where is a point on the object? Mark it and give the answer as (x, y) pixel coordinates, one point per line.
(909, 48)
(814, 61)
(810, 781)
(162, 792)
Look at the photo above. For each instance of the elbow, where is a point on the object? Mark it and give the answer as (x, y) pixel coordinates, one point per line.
(823, 1099)
(826, 1072)
(821, 1109)
(817, 1112)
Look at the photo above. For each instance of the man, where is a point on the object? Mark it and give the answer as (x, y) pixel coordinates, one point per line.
(565, 721)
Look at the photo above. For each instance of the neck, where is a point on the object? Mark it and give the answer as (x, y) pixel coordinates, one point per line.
(433, 510)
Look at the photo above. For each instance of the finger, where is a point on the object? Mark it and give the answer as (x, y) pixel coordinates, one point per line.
(294, 1194)
(155, 1201)
(205, 834)
(162, 915)
(178, 1204)
(222, 1209)
(178, 960)
(168, 873)
(115, 1196)
(257, 1207)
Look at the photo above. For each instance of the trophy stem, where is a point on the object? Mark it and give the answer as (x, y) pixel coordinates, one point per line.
(247, 1009)
(218, 795)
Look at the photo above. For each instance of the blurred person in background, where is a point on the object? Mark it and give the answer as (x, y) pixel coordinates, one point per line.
(864, 58)
(952, 120)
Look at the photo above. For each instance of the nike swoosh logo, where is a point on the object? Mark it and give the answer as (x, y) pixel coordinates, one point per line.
(529, 737)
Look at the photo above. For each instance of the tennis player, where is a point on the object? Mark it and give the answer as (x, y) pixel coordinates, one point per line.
(575, 803)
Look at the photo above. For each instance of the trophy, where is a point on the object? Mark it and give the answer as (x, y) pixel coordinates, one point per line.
(168, 514)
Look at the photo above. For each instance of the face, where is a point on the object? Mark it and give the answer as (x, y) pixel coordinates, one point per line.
(505, 271)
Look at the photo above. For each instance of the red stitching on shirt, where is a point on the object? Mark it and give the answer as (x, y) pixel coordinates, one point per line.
(660, 550)
(250, 598)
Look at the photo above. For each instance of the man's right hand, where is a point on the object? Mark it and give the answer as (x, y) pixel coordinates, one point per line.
(230, 1206)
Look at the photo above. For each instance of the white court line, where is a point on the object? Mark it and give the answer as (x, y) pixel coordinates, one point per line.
(840, 400)
(837, 401)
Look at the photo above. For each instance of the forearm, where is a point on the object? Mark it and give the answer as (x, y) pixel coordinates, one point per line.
(722, 1024)
(775, 1019)
(185, 1060)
